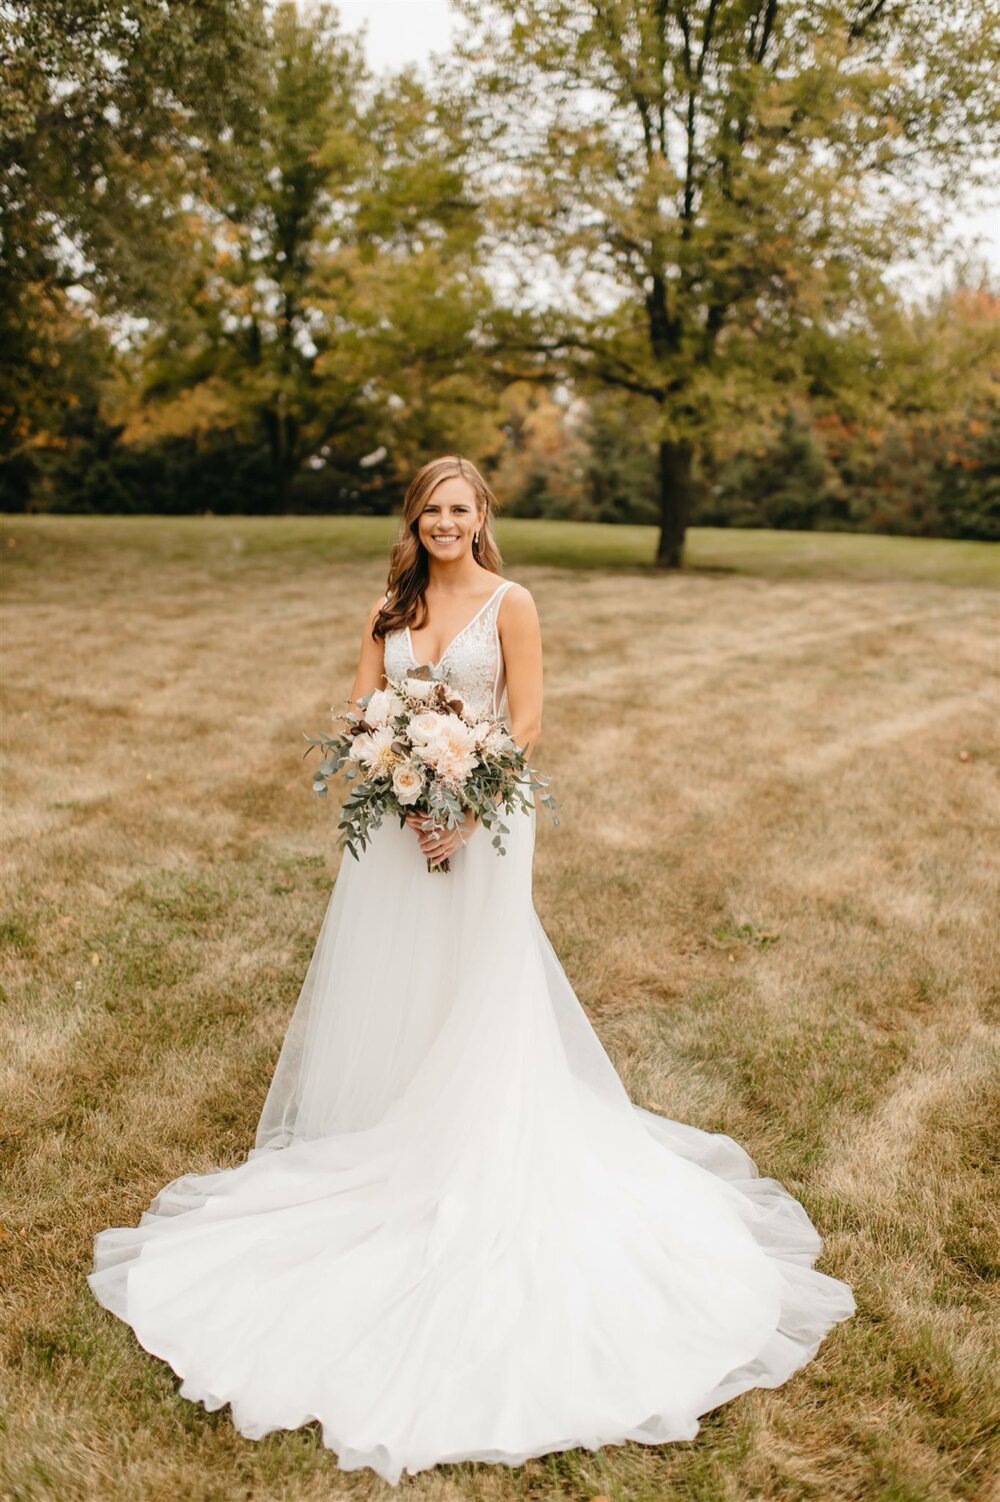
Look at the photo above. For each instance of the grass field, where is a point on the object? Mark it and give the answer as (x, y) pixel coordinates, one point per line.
(783, 926)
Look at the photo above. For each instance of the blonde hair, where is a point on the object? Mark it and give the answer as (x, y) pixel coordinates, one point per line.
(408, 566)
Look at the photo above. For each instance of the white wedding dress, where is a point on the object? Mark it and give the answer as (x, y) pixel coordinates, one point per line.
(456, 1237)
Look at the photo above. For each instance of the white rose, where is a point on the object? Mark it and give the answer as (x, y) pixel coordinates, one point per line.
(419, 688)
(427, 729)
(407, 783)
(383, 706)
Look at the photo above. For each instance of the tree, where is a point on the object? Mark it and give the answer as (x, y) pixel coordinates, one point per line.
(108, 110)
(970, 481)
(540, 469)
(716, 181)
(332, 279)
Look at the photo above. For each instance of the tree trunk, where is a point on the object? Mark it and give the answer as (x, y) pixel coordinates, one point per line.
(676, 491)
(283, 486)
(282, 437)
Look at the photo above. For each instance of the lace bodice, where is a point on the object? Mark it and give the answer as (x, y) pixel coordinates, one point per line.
(472, 661)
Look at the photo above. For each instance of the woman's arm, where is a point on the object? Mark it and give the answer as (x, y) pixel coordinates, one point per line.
(521, 640)
(371, 661)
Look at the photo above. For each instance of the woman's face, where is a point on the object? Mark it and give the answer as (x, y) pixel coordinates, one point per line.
(449, 520)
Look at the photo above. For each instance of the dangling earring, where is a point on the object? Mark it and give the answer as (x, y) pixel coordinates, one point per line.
(475, 540)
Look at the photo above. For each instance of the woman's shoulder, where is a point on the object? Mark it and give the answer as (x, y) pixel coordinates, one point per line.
(517, 603)
(512, 590)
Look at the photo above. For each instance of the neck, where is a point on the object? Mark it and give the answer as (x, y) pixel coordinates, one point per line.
(453, 578)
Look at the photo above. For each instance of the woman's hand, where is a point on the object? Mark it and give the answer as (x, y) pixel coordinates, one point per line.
(437, 843)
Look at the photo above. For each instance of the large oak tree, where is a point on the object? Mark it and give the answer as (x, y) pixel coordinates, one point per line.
(712, 188)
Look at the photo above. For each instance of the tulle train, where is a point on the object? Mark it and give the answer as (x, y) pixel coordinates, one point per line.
(456, 1236)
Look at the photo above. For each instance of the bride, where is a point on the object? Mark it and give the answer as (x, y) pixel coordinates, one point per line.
(456, 1237)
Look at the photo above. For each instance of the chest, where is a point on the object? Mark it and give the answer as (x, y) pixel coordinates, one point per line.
(472, 663)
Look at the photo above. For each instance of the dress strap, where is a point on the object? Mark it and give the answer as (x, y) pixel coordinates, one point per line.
(500, 591)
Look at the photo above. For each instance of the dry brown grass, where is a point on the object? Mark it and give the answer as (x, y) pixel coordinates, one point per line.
(786, 930)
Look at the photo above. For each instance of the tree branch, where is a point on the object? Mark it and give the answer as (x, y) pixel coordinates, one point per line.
(619, 61)
(689, 126)
(604, 369)
(706, 37)
(865, 18)
(771, 10)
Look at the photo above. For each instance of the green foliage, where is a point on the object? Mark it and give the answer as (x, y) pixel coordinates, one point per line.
(722, 185)
(109, 110)
(969, 501)
(330, 261)
(573, 460)
(318, 287)
(107, 115)
(924, 480)
(621, 461)
(788, 483)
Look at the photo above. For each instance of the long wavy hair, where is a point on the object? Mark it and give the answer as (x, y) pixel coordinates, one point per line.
(408, 567)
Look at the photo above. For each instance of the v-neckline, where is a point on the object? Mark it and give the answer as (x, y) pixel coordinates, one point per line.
(435, 663)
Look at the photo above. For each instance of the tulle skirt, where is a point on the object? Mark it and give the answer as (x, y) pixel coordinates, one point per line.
(456, 1237)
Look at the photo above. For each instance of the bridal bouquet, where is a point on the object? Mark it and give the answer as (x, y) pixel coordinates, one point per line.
(415, 747)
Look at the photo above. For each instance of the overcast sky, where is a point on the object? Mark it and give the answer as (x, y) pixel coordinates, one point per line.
(406, 31)
(399, 31)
